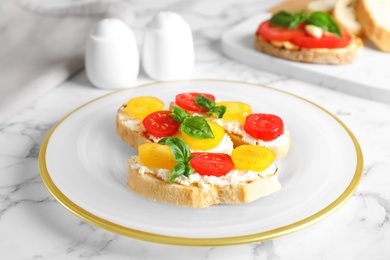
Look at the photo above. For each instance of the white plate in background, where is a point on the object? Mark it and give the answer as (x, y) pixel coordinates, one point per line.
(367, 77)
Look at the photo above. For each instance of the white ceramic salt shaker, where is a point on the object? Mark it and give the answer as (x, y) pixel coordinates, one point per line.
(111, 57)
(167, 48)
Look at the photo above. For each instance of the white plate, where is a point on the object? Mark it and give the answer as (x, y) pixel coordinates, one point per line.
(83, 163)
(363, 78)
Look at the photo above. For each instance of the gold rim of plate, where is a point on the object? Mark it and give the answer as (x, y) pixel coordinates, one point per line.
(183, 241)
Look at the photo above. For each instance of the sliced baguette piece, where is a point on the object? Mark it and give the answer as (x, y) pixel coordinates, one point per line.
(155, 188)
(292, 6)
(345, 15)
(321, 5)
(287, 50)
(374, 18)
(133, 135)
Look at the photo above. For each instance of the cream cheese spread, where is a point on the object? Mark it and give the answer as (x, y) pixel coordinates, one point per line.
(231, 126)
(290, 46)
(280, 141)
(130, 122)
(235, 127)
(235, 176)
(225, 146)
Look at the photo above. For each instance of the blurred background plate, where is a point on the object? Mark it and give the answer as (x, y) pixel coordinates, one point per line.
(368, 77)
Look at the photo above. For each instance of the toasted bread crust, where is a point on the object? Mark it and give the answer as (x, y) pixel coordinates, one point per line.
(156, 189)
(331, 56)
(375, 32)
(133, 138)
(345, 15)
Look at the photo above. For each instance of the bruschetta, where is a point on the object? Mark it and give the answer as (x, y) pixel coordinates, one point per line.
(143, 120)
(167, 172)
(309, 38)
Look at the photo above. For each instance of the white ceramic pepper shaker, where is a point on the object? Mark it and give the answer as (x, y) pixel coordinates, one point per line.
(168, 48)
(111, 58)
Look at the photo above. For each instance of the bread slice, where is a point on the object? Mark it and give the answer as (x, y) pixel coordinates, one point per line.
(129, 132)
(155, 188)
(374, 17)
(292, 6)
(321, 5)
(287, 50)
(345, 15)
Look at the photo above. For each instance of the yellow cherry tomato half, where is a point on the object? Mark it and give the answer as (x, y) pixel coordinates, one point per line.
(235, 110)
(143, 106)
(252, 157)
(154, 155)
(207, 143)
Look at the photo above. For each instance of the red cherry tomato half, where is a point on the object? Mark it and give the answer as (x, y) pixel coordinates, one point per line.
(273, 33)
(161, 124)
(187, 101)
(328, 41)
(212, 164)
(265, 127)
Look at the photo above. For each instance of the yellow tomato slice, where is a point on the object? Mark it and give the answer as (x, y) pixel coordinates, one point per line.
(252, 157)
(207, 143)
(154, 155)
(235, 110)
(143, 106)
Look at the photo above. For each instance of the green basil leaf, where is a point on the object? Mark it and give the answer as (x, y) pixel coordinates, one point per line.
(325, 22)
(180, 150)
(282, 19)
(287, 20)
(298, 19)
(164, 140)
(189, 158)
(209, 104)
(219, 110)
(197, 127)
(178, 170)
(179, 114)
(188, 170)
(204, 102)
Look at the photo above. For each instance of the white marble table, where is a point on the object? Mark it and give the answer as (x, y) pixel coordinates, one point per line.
(33, 225)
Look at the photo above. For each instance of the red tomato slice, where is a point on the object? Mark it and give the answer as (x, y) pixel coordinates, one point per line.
(212, 164)
(266, 127)
(328, 41)
(161, 124)
(187, 101)
(273, 33)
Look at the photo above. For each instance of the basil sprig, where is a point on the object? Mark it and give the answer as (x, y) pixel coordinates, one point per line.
(320, 19)
(181, 153)
(325, 22)
(287, 20)
(209, 105)
(194, 126)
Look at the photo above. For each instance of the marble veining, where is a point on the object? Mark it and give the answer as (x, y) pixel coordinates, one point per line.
(33, 225)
